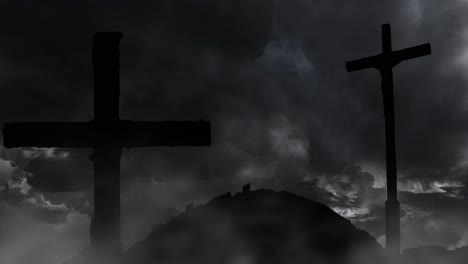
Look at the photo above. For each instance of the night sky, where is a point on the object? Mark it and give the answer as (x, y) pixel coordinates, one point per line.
(285, 114)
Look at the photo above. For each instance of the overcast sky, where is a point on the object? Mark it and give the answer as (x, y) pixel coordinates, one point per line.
(271, 77)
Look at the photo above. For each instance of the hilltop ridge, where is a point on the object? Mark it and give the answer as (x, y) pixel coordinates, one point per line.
(261, 226)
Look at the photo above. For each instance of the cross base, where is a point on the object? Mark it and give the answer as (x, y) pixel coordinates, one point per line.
(99, 254)
(392, 226)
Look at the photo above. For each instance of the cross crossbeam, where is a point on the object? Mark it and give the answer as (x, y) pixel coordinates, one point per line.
(396, 57)
(124, 133)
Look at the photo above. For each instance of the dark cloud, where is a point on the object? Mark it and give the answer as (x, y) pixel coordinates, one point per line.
(72, 173)
(271, 77)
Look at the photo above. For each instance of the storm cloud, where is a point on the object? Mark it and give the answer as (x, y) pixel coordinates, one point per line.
(270, 76)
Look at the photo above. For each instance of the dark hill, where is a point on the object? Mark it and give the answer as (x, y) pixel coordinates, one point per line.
(435, 255)
(261, 226)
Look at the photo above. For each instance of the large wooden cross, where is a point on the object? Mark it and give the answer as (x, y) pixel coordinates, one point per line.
(106, 134)
(385, 62)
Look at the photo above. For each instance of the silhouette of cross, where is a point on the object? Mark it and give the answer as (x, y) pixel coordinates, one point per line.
(385, 62)
(106, 134)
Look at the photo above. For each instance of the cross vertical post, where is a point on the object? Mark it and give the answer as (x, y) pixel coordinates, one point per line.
(392, 205)
(385, 62)
(106, 226)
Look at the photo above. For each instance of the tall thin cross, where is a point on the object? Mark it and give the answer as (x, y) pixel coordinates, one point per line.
(107, 134)
(385, 62)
